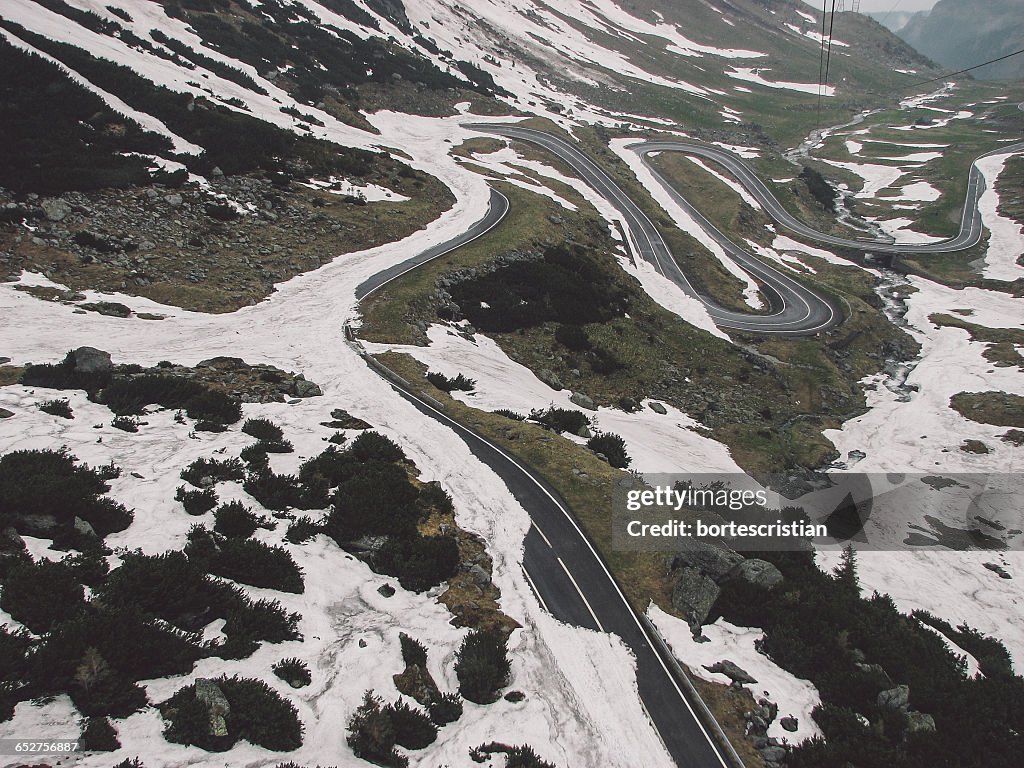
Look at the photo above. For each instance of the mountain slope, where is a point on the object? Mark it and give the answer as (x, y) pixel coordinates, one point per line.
(961, 33)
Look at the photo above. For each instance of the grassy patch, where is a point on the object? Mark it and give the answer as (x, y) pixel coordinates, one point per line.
(998, 408)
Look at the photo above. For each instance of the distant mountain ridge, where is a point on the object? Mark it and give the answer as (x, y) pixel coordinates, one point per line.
(961, 33)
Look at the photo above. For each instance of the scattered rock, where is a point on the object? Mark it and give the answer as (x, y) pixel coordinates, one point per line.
(108, 308)
(549, 378)
(895, 698)
(173, 200)
(759, 573)
(515, 696)
(773, 754)
(84, 528)
(998, 569)
(344, 420)
(789, 723)
(584, 432)
(974, 446)
(482, 577)
(303, 388)
(918, 722)
(91, 360)
(710, 560)
(209, 694)
(583, 401)
(693, 595)
(5, 414)
(55, 209)
(657, 407)
(732, 671)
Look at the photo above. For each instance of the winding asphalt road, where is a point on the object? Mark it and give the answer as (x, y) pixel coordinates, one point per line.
(796, 310)
(971, 227)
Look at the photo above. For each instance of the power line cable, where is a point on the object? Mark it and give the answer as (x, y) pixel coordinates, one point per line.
(821, 58)
(828, 58)
(962, 71)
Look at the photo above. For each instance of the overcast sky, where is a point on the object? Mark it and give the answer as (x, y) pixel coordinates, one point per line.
(884, 5)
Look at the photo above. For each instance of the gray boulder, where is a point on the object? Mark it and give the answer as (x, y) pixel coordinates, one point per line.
(84, 527)
(918, 722)
(895, 698)
(693, 595)
(550, 378)
(482, 577)
(91, 360)
(303, 388)
(55, 209)
(789, 723)
(212, 697)
(657, 407)
(773, 754)
(732, 671)
(583, 401)
(710, 560)
(173, 200)
(759, 573)
(5, 414)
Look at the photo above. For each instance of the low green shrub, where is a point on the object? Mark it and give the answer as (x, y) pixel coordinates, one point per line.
(612, 447)
(61, 408)
(263, 429)
(293, 671)
(196, 502)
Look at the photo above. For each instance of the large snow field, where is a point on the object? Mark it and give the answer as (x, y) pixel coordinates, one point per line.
(1006, 236)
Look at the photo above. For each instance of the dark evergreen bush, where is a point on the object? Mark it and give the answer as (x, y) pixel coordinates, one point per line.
(125, 423)
(612, 447)
(413, 729)
(128, 396)
(196, 502)
(98, 735)
(255, 456)
(220, 471)
(379, 501)
(482, 666)
(60, 408)
(96, 655)
(446, 384)
(414, 653)
(561, 419)
(445, 710)
(275, 491)
(49, 484)
(371, 734)
(419, 563)
(373, 446)
(263, 429)
(235, 520)
(258, 714)
(89, 567)
(302, 529)
(41, 595)
(510, 414)
(252, 562)
(293, 671)
(276, 446)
